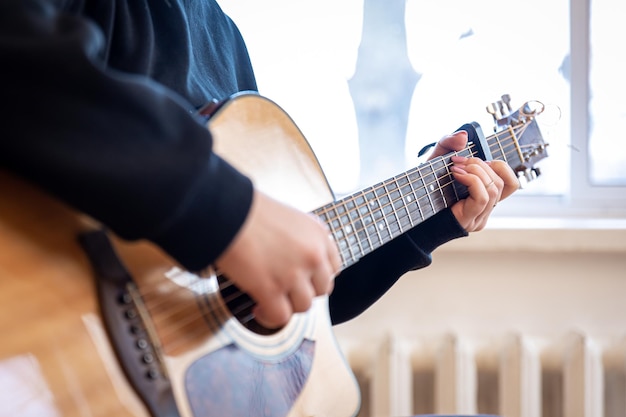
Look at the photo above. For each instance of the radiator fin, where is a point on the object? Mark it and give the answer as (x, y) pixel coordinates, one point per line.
(513, 375)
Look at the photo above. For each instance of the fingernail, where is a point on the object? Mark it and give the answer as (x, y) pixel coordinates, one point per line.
(458, 159)
(458, 169)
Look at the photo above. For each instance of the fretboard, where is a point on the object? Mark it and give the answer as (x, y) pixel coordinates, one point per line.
(364, 221)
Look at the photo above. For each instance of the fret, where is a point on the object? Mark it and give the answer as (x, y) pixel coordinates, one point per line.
(406, 195)
(365, 220)
(333, 225)
(461, 190)
(448, 190)
(375, 214)
(394, 225)
(428, 188)
(368, 219)
(417, 190)
(503, 146)
(501, 152)
(436, 167)
(467, 152)
(337, 228)
(398, 204)
(516, 143)
(336, 217)
(421, 193)
(513, 153)
(384, 230)
(351, 227)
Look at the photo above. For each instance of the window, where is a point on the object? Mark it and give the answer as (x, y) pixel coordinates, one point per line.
(370, 82)
(607, 90)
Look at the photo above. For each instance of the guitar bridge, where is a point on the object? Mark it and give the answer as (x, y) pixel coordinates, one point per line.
(128, 327)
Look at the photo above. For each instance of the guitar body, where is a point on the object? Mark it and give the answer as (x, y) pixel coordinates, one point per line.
(93, 326)
(57, 357)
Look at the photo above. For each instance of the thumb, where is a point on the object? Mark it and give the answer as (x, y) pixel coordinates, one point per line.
(450, 143)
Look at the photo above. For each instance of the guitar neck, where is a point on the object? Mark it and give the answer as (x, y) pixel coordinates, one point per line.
(364, 221)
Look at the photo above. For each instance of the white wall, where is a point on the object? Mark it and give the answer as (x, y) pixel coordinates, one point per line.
(538, 279)
(542, 280)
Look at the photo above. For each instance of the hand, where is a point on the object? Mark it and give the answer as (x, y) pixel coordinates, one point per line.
(282, 258)
(488, 182)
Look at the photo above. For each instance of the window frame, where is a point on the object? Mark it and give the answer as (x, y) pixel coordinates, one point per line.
(584, 200)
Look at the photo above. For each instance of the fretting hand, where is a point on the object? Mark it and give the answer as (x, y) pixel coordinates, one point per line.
(487, 182)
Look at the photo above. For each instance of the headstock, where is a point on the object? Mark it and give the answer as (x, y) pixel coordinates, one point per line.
(523, 128)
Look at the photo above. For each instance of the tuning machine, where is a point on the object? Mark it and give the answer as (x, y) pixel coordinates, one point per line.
(519, 130)
(500, 111)
(527, 175)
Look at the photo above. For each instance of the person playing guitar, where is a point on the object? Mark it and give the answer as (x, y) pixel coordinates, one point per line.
(121, 139)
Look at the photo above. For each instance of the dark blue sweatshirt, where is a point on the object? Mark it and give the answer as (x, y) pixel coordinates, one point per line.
(100, 100)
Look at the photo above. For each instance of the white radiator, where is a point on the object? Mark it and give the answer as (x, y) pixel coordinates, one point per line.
(513, 375)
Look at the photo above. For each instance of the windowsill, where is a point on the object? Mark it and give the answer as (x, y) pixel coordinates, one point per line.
(545, 235)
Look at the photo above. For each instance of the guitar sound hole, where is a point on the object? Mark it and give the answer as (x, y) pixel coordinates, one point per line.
(240, 305)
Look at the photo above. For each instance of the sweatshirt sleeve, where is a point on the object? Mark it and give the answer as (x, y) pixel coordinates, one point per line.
(119, 147)
(362, 284)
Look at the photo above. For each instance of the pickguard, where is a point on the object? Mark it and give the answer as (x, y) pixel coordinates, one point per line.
(231, 382)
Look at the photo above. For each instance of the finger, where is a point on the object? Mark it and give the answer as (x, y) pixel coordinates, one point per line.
(301, 296)
(334, 256)
(326, 271)
(493, 183)
(322, 278)
(473, 212)
(324, 284)
(275, 313)
(331, 286)
(450, 143)
(478, 199)
(510, 181)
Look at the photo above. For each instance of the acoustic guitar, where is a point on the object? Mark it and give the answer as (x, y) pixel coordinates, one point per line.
(92, 325)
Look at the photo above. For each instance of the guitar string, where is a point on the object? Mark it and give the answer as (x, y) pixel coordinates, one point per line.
(393, 222)
(148, 292)
(190, 319)
(193, 322)
(391, 201)
(182, 325)
(173, 334)
(401, 221)
(390, 217)
(166, 309)
(167, 332)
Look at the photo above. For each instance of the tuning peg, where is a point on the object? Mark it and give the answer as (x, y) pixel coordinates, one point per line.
(506, 99)
(492, 109)
(500, 110)
(528, 175)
